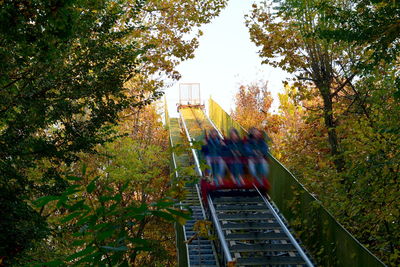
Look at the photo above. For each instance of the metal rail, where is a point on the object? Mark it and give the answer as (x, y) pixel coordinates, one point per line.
(228, 257)
(201, 202)
(286, 230)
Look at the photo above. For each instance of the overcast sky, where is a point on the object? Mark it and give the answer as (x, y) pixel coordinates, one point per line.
(225, 59)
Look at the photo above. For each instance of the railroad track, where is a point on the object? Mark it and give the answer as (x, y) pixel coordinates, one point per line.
(249, 229)
(253, 231)
(200, 251)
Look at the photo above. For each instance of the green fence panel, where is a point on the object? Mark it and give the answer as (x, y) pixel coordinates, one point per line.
(222, 120)
(181, 246)
(325, 239)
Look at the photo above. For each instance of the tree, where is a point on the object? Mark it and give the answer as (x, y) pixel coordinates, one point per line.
(117, 208)
(287, 39)
(166, 27)
(372, 145)
(372, 142)
(62, 75)
(252, 104)
(65, 73)
(373, 25)
(366, 203)
(345, 58)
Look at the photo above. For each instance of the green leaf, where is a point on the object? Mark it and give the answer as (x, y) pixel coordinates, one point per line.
(91, 186)
(397, 95)
(104, 235)
(105, 198)
(163, 215)
(72, 189)
(125, 186)
(74, 178)
(84, 167)
(144, 248)
(137, 213)
(78, 242)
(54, 263)
(118, 198)
(180, 214)
(101, 226)
(70, 216)
(61, 201)
(87, 219)
(40, 202)
(163, 203)
(78, 205)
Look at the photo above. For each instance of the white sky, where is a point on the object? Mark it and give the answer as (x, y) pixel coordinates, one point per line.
(225, 59)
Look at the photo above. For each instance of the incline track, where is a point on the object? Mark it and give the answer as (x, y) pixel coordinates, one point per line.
(250, 230)
(198, 251)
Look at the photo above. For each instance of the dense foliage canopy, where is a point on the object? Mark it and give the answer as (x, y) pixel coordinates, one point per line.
(337, 127)
(69, 72)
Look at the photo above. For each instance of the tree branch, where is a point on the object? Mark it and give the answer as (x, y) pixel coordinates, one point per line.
(348, 80)
(305, 78)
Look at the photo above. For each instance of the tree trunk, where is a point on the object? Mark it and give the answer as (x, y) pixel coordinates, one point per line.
(331, 127)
